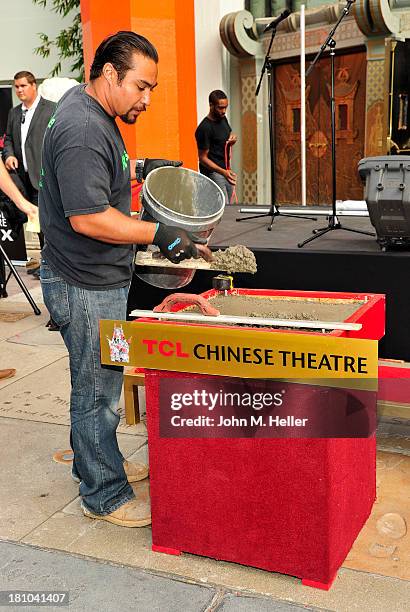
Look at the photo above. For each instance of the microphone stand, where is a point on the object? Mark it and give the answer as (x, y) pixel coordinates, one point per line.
(274, 209)
(333, 221)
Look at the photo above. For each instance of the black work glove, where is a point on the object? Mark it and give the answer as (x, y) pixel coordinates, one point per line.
(151, 164)
(176, 244)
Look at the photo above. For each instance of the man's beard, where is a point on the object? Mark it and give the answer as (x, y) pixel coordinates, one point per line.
(127, 119)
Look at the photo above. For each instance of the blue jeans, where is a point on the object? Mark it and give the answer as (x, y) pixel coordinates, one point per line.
(95, 389)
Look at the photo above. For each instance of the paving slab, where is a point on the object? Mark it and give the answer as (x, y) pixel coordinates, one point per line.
(38, 336)
(9, 305)
(383, 545)
(33, 487)
(74, 533)
(141, 454)
(394, 443)
(352, 590)
(28, 279)
(27, 359)
(233, 603)
(97, 586)
(44, 396)
(35, 293)
(30, 322)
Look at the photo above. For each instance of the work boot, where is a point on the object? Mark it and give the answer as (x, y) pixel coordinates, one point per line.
(135, 513)
(9, 373)
(33, 263)
(133, 471)
(34, 269)
(52, 325)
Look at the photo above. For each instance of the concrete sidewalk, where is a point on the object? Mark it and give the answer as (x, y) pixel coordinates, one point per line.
(93, 585)
(48, 544)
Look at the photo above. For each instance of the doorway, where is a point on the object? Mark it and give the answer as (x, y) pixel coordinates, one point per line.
(350, 95)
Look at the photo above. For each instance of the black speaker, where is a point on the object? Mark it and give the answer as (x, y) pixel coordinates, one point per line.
(387, 197)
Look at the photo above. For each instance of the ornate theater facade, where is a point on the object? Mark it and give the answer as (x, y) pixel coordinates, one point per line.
(372, 86)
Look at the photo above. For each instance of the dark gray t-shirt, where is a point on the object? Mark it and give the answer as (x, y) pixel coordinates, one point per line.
(85, 170)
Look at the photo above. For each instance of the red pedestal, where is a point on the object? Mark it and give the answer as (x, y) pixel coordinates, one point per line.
(293, 506)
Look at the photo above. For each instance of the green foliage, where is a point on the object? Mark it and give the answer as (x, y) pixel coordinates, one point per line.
(69, 42)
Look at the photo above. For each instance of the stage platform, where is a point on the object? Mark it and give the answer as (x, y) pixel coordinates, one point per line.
(338, 261)
(287, 232)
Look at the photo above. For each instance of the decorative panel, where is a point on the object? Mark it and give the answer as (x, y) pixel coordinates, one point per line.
(376, 106)
(249, 132)
(350, 92)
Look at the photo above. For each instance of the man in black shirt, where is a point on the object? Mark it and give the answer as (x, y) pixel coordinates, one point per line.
(85, 198)
(214, 139)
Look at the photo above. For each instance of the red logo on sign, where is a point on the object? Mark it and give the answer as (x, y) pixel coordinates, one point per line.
(166, 348)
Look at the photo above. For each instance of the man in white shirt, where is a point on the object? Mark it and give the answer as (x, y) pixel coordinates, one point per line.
(26, 125)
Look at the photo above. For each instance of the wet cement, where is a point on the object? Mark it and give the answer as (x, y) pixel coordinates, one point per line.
(318, 309)
(236, 258)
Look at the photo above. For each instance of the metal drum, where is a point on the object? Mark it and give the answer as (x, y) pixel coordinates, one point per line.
(181, 198)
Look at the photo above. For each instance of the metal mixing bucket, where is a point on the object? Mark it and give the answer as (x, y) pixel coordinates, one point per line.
(181, 198)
